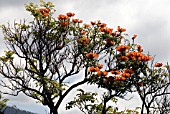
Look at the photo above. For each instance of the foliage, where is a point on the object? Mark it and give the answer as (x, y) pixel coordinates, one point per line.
(2, 102)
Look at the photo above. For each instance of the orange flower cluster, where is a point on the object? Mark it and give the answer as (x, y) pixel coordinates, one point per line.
(109, 42)
(130, 71)
(77, 21)
(99, 66)
(106, 30)
(91, 55)
(123, 58)
(62, 17)
(102, 73)
(158, 64)
(115, 72)
(94, 69)
(138, 56)
(122, 48)
(83, 41)
(64, 23)
(70, 14)
(102, 25)
(120, 29)
(44, 11)
(126, 74)
(97, 69)
(119, 78)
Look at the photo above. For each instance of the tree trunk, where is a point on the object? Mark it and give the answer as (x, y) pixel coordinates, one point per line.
(104, 107)
(53, 111)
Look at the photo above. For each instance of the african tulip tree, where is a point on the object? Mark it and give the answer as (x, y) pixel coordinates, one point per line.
(51, 50)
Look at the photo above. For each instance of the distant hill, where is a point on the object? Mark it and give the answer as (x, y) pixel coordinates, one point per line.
(14, 110)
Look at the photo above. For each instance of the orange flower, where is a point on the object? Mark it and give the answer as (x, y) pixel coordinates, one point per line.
(69, 14)
(97, 69)
(119, 78)
(108, 30)
(83, 41)
(110, 43)
(149, 57)
(75, 20)
(116, 72)
(102, 73)
(126, 75)
(130, 71)
(98, 21)
(93, 69)
(93, 23)
(41, 10)
(83, 32)
(158, 64)
(122, 48)
(121, 29)
(80, 21)
(86, 25)
(45, 14)
(102, 29)
(103, 25)
(91, 55)
(123, 58)
(44, 11)
(139, 48)
(60, 17)
(146, 58)
(122, 78)
(134, 36)
(114, 34)
(139, 56)
(99, 66)
(64, 23)
(47, 10)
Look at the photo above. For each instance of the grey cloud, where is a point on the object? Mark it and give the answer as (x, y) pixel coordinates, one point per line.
(15, 3)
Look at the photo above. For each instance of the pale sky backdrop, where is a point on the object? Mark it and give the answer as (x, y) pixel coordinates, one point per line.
(149, 19)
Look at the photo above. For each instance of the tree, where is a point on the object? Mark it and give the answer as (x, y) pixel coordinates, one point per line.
(51, 51)
(154, 89)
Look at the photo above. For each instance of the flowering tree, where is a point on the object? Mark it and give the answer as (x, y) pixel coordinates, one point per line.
(50, 51)
(53, 50)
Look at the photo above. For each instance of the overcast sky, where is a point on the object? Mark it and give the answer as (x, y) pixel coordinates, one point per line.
(149, 19)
